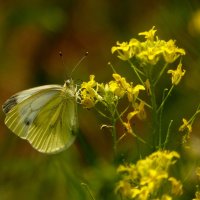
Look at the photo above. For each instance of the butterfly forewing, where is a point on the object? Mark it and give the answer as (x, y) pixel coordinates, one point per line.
(45, 116)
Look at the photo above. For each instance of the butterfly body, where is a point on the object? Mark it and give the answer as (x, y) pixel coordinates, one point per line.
(46, 116)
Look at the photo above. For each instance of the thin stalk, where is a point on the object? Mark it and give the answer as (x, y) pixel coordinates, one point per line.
(165, 99)
(168, 134)
(138, 138)
(88, 190)
(160, 121)
(114, 136)
(160, 74)
(113, 111)
(155, 124)
(132, 133)
(195, 114)
(145, 103)
(113, 69)
(101, 113)
(137, 71)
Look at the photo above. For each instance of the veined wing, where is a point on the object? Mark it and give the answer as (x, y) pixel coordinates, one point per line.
(42, 116)
(25, 94)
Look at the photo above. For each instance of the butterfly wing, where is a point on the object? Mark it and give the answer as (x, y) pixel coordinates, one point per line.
(45, 116)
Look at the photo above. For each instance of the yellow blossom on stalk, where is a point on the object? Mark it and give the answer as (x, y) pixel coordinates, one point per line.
(185, 126)
(127, 124)
(176, 186)
(171, 52)
(149, 178)
(149, 35)
(126, 50)
(121, 82)
(177, 74)
(93, 92)
(141, 111)
(150, 51)
(149, 55)
(123, 50)
(89, 95)
(134, 46)
(133, 92)
(124, 87)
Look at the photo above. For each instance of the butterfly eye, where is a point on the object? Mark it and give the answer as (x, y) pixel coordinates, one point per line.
(68, 82)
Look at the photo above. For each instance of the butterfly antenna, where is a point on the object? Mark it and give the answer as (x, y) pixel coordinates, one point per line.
(78, 63)
(63, 63)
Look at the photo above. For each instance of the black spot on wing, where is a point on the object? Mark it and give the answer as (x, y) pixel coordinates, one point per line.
(27, 122)
(9, 104)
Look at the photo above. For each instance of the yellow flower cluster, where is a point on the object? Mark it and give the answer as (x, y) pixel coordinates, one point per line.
(149, 51)
(177, 74)
(149, 177)
(93, 92)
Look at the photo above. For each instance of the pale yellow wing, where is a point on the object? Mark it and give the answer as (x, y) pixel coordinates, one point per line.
(44, 117)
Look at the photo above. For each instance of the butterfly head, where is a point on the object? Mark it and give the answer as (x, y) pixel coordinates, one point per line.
(69, 88)
(69, 83)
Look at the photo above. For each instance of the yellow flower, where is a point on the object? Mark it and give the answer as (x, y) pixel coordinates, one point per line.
(141, 111)
(123, 50)
(176, 186)
(148, 176)
(88, 102)
(150, 53)
(126, 50)
(177, 74)
(171, 52)
(149, 35)
(185, 126)
(90, 84)
(121, 86)
(121, 81)
(134, 46)
(131, 115)
(133, 92)
(89, 95)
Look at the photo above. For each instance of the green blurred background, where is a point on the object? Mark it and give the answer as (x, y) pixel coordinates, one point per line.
(31, 35)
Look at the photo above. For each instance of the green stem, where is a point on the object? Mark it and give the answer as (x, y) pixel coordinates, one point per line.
(165, 99)
(155, 124)
(88, 190)
(160, 121)
(195, 114)
(133, 134)
(114, 136)
(137, 71)
(138, 138)
(168, 134)
(145, 103)
(101, 113)
(160, 74)
(113, 111)
(113, 69)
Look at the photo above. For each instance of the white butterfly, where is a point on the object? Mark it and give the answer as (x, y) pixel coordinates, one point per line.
(46, 116)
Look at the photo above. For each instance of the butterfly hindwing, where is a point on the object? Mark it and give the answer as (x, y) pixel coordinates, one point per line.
(45, 116)
(55, 126)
